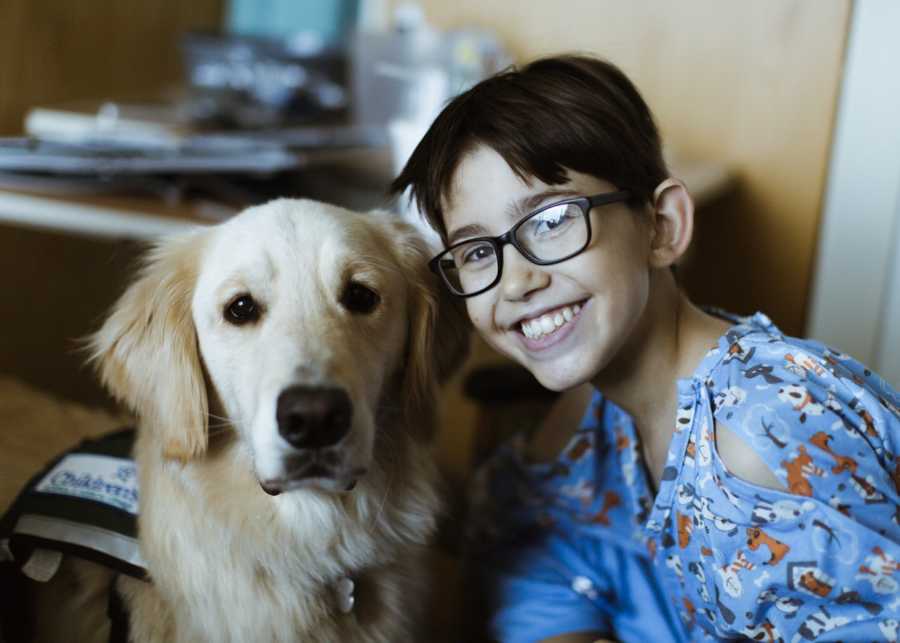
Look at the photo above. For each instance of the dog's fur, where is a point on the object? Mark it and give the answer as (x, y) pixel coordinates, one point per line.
(227, 561)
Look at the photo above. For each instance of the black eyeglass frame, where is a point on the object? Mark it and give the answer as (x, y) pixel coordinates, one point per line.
(585, 203)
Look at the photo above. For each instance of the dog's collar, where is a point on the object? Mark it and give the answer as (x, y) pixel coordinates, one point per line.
(345, 593)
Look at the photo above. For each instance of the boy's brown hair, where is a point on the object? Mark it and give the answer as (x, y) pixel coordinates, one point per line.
(564, 112)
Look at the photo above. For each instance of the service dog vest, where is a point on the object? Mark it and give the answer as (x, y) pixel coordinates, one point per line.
(85, 504)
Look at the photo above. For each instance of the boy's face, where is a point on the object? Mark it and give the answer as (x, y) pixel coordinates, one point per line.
(592, 302)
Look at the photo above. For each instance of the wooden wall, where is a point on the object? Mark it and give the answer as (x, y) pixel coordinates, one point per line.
(60, 50)
(56, 287)
(752, 84)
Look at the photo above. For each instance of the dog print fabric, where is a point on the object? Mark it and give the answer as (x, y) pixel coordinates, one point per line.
(582, 544)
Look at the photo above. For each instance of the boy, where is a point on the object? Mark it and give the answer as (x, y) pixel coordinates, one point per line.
(725, 481)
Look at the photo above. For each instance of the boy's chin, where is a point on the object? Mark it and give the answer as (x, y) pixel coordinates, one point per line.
(560, 381)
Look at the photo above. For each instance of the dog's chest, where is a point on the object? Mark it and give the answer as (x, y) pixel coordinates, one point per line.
(268, 609)
(237, 592)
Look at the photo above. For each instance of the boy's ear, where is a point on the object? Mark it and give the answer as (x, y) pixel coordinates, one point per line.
(673, 223)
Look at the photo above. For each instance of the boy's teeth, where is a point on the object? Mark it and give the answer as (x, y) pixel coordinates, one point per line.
(546, 324)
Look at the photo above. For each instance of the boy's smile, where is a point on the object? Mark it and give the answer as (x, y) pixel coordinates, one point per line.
(565, 321)
(546, 324)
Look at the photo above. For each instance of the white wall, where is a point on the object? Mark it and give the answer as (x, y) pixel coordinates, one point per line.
(888, 347)
(855, 304)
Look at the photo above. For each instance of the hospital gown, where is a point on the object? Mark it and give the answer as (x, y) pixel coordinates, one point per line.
(584, 544)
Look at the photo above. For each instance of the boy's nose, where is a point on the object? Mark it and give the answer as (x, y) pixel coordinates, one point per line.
(520, 277)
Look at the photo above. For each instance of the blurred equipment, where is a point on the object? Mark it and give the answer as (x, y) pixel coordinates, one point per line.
(315, 98)
(410, 70)
(145, 124)
(403, 76)
(246, 82)
(193, 155)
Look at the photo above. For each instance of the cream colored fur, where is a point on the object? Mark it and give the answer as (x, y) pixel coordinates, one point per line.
(229, 562)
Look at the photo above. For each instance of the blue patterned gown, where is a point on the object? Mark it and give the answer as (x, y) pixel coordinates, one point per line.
(582, 543)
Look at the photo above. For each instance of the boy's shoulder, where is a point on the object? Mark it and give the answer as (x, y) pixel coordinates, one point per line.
(755, 355)
(800, 397)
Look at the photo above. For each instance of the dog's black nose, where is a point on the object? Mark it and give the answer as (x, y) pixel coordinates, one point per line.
(313, 417)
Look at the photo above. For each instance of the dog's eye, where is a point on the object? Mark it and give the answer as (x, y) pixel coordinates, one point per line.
(242, 310)
(359, 299)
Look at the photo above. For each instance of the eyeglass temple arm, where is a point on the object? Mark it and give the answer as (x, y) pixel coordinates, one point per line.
(609, 197)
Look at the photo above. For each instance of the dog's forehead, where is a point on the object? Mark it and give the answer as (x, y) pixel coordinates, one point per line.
(293, 230)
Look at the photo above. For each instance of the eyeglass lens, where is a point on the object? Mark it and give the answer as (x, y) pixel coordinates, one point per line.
(546, 236)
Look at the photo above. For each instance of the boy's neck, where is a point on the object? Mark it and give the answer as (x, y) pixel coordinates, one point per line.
(668, 343)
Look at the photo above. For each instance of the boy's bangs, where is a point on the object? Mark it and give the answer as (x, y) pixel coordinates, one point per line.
(555, 115)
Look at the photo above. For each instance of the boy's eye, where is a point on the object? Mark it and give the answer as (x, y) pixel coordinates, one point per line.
(476, 253)
(553, 219)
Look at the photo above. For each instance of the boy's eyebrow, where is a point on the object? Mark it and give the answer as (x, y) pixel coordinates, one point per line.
(516, 209)
(471, 230)
(533, 201)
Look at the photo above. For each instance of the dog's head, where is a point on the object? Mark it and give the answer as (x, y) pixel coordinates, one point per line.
(303, 321)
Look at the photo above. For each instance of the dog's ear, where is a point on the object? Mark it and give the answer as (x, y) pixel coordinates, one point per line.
(452, 331)
(146, 352)
(439, 329)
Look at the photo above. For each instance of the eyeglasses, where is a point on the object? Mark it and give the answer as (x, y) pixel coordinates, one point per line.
(549, 235)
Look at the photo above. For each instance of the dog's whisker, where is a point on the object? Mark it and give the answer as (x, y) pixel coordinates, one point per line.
(215, 432)
(221, 423)
(387, 491)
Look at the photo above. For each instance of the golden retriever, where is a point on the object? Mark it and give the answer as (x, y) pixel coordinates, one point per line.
(283, 366)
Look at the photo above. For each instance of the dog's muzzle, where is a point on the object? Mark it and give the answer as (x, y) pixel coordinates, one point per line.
(313, 420)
